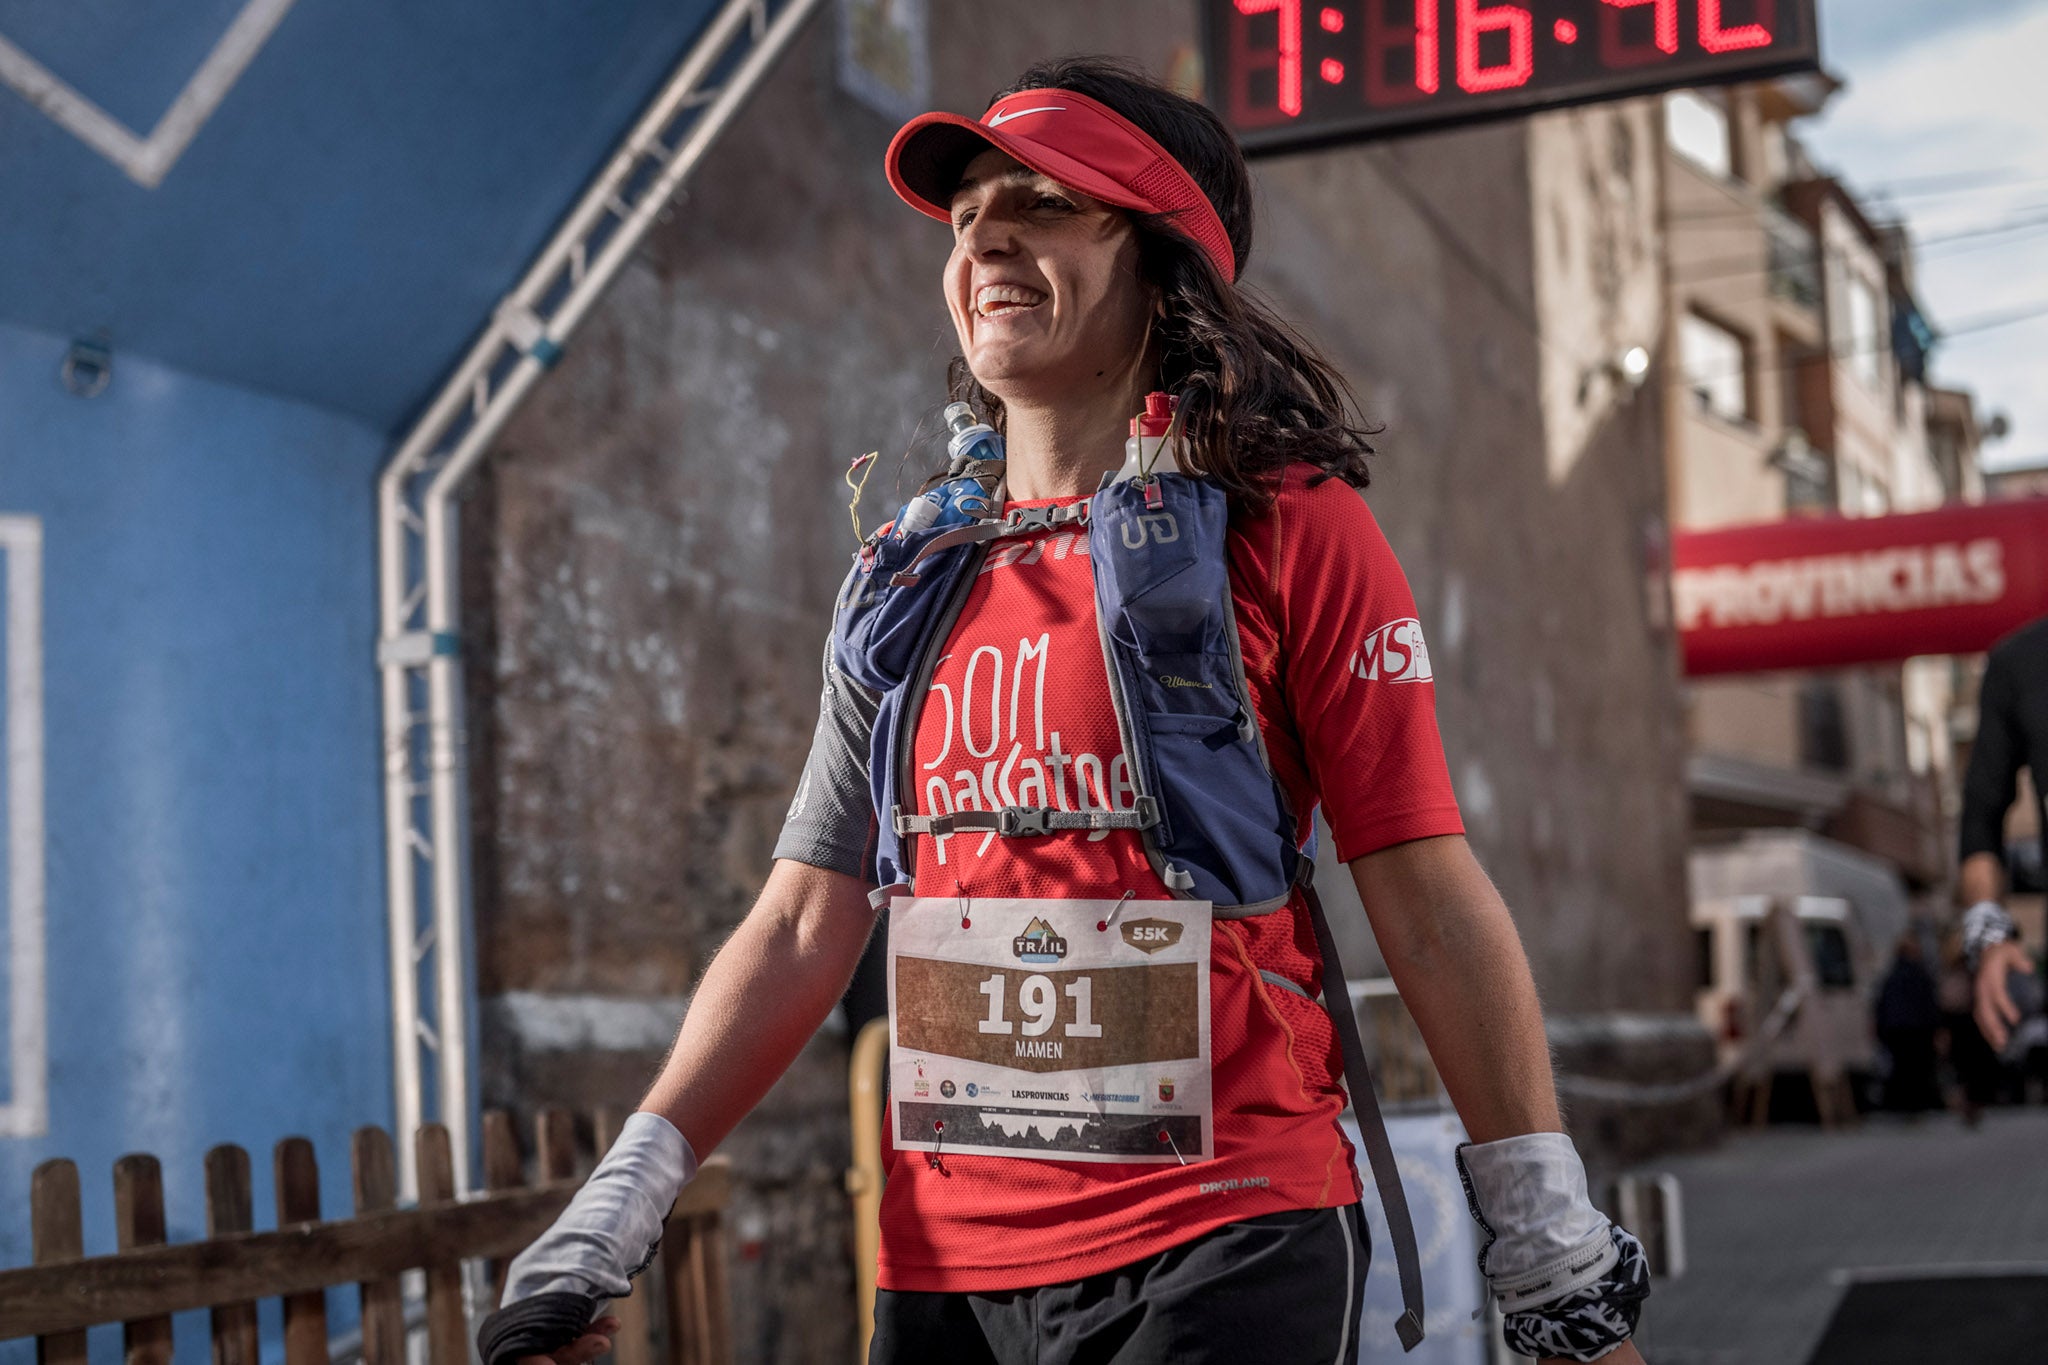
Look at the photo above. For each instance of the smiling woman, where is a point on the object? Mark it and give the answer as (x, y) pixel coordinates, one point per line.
(1255, 395)
(1075, 741)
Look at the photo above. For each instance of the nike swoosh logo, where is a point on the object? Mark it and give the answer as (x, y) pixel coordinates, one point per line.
(1000, 119)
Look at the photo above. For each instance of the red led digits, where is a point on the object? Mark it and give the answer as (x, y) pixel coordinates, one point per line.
(1277, 66)
(1419, 34)
(1475, 21)
(1616, 50)
(1716, 38)
(1287, 55)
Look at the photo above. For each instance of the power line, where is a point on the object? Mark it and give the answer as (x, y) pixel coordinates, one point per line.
(1740, 267)
(1966, 182)
(1988, 321)
(1984, 322)
(1866, 200)
(1744, 286)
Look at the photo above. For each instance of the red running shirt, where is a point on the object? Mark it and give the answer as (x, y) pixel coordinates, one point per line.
(1019, 713)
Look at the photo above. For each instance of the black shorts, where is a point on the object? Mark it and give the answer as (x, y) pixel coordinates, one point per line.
(1282, 1287)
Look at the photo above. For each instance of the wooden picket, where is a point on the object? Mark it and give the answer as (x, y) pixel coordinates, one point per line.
(677, 1315)
(231, 1208)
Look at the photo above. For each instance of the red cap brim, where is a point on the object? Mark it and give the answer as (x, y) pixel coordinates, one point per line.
(931, 152)
(1084, 145)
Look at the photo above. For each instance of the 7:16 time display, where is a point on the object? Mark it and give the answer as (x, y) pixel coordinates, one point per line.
(1290, 73)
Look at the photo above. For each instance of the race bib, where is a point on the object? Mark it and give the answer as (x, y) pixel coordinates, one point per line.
(1061, 1030)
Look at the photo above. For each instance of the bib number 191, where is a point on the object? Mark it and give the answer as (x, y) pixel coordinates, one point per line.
(1038, 999)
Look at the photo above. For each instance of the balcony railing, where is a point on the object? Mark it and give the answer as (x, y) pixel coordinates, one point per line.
(1794, 259)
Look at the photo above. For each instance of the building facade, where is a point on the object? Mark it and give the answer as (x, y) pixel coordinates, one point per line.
(1801, 389)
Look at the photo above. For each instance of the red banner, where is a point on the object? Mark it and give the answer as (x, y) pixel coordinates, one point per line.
(1832, 591)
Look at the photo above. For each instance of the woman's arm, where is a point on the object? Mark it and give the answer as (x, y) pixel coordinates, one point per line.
(761, 999)
(1454, 954)
(764, 995)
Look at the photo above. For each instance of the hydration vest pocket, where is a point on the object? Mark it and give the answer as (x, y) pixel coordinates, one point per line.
(1201, 687)
(1157, 570)
(1210, 822)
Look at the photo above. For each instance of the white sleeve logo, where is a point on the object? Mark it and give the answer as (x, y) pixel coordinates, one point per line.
(1394, 653)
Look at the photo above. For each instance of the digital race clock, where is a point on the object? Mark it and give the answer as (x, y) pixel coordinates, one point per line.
(1292, 73)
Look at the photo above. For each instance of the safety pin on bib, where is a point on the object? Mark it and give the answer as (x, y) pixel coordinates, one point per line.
(1102, 925)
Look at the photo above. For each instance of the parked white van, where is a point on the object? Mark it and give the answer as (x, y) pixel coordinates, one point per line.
(1772, 909)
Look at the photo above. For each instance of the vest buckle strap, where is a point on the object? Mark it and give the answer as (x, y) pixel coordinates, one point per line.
(1018, 521)
(1024, 822)
(1014, 822)
(1021, 521)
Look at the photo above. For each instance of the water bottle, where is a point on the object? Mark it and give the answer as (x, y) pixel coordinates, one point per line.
(971, 440)
(959, 499)
(1148, 451)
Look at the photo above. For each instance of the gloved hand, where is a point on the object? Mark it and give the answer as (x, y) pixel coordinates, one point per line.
(610, 1231)
(1569, 1282)
(1985, 924)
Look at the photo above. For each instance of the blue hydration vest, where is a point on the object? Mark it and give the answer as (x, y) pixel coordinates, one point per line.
(1215, 822)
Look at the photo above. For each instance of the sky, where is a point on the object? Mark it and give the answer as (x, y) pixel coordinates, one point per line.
(1944, 124)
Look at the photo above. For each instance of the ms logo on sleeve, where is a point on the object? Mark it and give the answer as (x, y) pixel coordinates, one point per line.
(1394, 653)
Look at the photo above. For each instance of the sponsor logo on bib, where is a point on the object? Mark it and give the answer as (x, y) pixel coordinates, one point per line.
(1038, 944)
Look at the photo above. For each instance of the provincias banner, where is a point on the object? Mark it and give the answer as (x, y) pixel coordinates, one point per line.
(1829, 592)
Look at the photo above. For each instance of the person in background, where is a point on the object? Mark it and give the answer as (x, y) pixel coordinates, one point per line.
(1907, 1016)
(1976, 1066)
(2012, 733)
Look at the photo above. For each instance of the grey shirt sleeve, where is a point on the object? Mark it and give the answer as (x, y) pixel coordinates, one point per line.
(831, 821)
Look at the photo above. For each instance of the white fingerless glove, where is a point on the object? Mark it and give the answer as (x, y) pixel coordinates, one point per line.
(612, 1227)
(556, 1287)
(1984, 924)
(1569, 1282)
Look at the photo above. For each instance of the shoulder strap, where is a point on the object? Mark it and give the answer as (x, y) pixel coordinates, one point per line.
(1372, 1128)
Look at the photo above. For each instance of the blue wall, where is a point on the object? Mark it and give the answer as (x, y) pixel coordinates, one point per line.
(216, 968)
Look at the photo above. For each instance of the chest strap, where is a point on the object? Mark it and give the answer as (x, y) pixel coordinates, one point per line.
(1013, 822)
(1018, 521)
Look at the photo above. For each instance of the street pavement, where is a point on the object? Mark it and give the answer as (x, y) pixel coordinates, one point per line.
(1773, 1218)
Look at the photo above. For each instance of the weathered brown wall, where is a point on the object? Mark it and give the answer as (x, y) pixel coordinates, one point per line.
(654, 547)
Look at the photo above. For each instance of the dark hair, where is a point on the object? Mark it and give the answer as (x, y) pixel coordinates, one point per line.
(1256, 394)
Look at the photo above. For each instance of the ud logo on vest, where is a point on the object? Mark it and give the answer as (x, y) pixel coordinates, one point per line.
(1160, 528)
(1394, 653)
(1038, 944)
(1151, 935)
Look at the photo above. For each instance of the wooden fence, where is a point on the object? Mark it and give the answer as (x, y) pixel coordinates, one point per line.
(677, 1315)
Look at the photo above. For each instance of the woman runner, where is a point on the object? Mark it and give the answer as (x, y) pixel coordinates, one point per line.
(1206, 1208)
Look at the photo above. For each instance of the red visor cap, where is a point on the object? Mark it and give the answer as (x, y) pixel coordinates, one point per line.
(1078, 142)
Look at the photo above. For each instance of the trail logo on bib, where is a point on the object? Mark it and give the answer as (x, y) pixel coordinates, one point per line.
(1394, 653)
(1038, 944)
(1152, 935)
